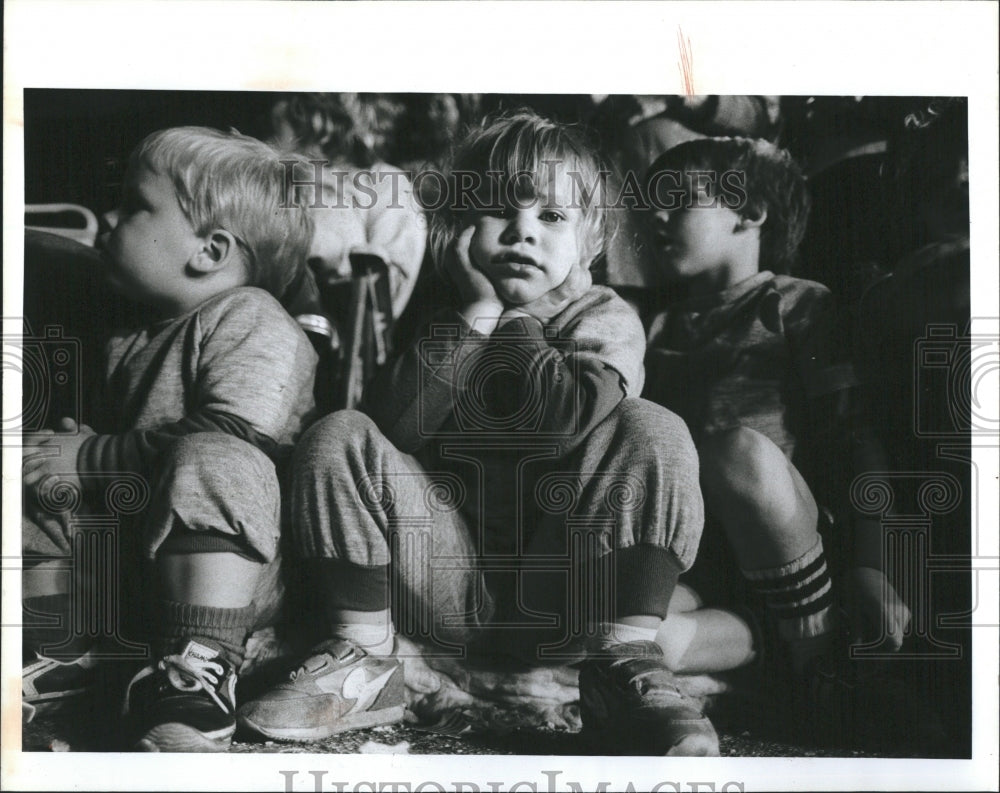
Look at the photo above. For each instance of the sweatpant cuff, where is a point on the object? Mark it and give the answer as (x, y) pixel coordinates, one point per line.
(350, 586)
(645, 577)
(185, 542)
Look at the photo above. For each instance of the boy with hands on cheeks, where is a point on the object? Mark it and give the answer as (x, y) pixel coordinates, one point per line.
(504, 491)
(509, 284)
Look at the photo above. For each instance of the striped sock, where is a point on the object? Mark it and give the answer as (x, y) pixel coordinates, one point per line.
(799, 594)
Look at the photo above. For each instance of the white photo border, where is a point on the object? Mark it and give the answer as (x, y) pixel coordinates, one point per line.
(834, 48)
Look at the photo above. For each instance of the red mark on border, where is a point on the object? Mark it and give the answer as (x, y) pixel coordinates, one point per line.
(686, 64)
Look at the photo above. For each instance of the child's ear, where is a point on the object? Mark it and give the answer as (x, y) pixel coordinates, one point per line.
(747, 223)
(217, 251)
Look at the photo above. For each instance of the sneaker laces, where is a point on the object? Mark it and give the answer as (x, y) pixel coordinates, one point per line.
(189, 674)
(338, 651)
(646, 675)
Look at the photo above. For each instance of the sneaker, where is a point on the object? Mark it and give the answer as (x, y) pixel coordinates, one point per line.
(183, 703)
(630, 704)
(338, 687)
(858, 702)
(50, 685)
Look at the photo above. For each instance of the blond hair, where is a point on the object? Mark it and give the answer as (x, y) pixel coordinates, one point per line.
(240, 184)
(518, 144)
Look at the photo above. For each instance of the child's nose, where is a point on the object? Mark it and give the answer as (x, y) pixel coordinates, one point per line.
(521, 228)
(105, 225)
(661, 217)
(660, 220)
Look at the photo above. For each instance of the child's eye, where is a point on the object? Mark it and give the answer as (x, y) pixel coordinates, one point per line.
(551, 216)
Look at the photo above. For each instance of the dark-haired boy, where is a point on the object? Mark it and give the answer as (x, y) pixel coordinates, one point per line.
(749, 358)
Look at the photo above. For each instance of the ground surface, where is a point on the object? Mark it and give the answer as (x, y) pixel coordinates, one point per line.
(80, 730)
(50, 734)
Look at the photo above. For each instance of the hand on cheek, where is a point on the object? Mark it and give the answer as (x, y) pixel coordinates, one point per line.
(479, 299)
(544, 308)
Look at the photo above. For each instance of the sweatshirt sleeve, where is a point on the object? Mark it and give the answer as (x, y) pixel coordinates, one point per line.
(594, 361)
(820, 348)
(412, 398)
(252, 378)
(562, 392)
(557, 381)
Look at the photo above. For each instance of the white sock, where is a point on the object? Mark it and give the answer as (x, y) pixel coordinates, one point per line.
(373, 638)
(609, 633)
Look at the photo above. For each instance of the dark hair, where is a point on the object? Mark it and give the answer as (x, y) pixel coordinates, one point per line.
(352, 127)
(771, 182)
(518, 143)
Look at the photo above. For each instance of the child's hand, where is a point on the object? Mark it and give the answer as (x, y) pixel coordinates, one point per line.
(49, 453)
(544, 308)
(878, 612)
(479, 299)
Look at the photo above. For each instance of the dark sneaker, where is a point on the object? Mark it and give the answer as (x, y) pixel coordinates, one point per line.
(51, 685)
(858, 702)
(183, 703)
(338, 687)
(630, 704)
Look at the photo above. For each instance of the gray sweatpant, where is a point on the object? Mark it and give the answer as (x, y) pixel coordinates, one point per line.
(540, 555)
(210, 492)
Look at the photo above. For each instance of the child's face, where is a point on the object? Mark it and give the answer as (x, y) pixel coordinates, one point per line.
(698, 241)
(528, 247)
(152, 243)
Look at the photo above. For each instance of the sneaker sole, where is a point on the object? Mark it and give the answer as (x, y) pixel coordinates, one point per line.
(56, 703)
(176, 737)
(695, 745)
(360, 721)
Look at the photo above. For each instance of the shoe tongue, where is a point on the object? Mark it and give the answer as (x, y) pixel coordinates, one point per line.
(200, 652)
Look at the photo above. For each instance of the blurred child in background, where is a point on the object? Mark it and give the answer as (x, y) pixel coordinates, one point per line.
(363, 204)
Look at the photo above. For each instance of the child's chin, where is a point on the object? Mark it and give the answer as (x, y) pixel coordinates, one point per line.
(517, 296)
(518, 302)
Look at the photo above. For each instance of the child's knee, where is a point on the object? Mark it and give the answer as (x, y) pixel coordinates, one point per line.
(217, 483)
(211, 458)
(684, 599)
(740, 462)
(655, 438)
(674, 638)
(645, 420)
(335, 438)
